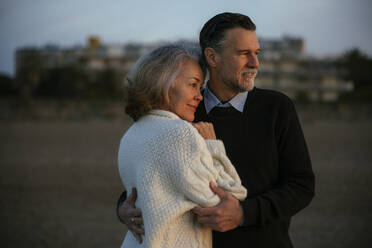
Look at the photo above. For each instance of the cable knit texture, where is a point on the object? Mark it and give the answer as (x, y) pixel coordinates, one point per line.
(171, 166)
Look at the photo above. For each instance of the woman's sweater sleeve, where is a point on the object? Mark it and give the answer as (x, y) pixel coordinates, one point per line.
(192, 164)
(228, 179)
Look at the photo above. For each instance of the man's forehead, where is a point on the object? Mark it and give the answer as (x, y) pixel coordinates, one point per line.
(241, 39)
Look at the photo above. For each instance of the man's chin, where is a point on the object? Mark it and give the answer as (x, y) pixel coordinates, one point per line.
(247, 86)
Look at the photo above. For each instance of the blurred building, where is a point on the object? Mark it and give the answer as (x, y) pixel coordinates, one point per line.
(284, 65)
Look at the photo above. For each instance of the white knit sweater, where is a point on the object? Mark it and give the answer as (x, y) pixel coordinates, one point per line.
(171, 165)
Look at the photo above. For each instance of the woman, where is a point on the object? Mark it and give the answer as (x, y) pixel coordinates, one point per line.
(165, 157)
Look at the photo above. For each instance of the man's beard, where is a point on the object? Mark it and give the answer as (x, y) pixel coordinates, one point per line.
(245, 81)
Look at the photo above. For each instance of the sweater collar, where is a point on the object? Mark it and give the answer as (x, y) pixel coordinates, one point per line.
(164, 113)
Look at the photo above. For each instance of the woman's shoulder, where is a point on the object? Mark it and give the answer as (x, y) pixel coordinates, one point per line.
(182, 130)
(170, 123)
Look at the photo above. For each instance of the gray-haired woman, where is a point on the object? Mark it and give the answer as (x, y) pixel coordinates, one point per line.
(165, 157)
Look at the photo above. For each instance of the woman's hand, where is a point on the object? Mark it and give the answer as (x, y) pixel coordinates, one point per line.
(205, 129)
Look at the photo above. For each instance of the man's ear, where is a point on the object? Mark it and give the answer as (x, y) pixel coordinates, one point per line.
(211, 56)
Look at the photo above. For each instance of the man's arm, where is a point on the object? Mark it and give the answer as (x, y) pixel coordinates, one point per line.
(293, 192)
(295, 185)
(130, 215)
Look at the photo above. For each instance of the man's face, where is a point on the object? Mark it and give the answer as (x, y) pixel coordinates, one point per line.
(238, 63)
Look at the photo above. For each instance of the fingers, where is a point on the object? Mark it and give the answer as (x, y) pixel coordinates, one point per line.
(137, 220)
(137, 229)
(138, 237)
(216, 222)
(196, 209)
(203, 125)
(136, 212)
(132, 197)
(132, 216)
(206, 220)
(205, 129)
(127, 211)
(217, 190)
(135, 217)
(204, 216)
(213, 223)
(203, 212)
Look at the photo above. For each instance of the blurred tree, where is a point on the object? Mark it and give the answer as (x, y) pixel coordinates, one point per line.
(106, 84)
(302, 97)
(7, 87)
(29, 71)
(359, 67)
(359, 70)
(74, 81)
(64, 82)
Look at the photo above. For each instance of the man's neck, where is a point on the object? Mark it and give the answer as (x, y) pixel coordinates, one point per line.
(220, 90)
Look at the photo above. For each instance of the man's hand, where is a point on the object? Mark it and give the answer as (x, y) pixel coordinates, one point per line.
(227, 215)
(132, 216)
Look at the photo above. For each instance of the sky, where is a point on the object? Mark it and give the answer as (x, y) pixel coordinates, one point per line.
(329, 27)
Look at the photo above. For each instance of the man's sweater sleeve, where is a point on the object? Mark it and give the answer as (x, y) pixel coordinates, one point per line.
(295, 186)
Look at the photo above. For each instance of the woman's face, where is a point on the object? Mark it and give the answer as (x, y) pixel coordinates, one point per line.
(184, 95)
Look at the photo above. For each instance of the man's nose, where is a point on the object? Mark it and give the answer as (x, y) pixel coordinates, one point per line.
(253, 61)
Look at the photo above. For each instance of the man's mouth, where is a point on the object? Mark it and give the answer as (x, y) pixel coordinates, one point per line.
(249, 74)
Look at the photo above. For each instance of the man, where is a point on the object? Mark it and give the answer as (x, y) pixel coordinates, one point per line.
(263, 139)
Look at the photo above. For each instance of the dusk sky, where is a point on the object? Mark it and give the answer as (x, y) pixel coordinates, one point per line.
(329, 27)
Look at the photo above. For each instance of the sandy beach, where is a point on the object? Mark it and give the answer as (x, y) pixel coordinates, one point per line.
(59, 184)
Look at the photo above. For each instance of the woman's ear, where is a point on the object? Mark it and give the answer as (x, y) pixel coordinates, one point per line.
(211, 56)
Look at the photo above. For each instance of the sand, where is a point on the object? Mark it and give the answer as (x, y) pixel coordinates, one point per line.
(59, 184)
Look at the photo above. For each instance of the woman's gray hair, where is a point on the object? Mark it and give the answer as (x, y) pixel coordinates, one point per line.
(148, 82)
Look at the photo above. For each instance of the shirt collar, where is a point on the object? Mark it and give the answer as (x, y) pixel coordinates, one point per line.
(211, 101)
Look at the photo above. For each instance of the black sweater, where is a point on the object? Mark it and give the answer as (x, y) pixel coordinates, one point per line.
(266, 145)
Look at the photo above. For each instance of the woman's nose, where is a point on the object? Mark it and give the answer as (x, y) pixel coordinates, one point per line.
(198, 96)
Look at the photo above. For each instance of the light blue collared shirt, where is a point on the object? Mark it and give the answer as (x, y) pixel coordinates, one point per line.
(211, 101)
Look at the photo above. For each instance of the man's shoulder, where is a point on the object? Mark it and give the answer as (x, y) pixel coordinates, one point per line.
(270, 100)
(271, 94)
